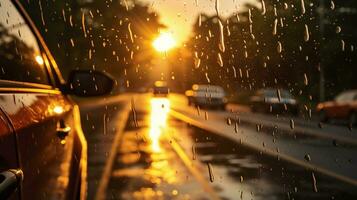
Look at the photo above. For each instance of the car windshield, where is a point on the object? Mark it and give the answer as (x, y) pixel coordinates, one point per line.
(211, 99)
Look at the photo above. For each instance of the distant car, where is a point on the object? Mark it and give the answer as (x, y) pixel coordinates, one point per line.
(344, 106)
(207, 96)
(274, 101)
(160, 88)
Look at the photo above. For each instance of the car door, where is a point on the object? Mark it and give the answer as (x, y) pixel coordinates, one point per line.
(48, 145)
(8, 154)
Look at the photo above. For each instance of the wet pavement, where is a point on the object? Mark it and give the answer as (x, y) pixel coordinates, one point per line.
(159, 157)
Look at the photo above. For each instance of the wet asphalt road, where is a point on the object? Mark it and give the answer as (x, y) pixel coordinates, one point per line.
(159, 157)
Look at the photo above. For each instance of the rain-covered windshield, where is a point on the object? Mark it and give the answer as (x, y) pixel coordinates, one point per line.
(211, 99)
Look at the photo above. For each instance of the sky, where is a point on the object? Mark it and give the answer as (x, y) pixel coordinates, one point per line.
(180, 15)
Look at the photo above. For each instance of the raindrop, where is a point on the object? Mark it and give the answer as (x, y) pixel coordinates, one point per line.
(207, 78)
(259, 127)
(275, 27)
(126, 5)
(229, 121)
(72, 42)
(314, 183)
(286, 6)
(221, 45)
(343, 45)
(236, 127)
(292, 124)
(307, 157)
(278, 94)
(279, 47)
(302, 7)
(104, 124)
(206, 115)
(241, 179)
(84, 26)
(219, 59)
(197, 61)
(130, 33)
(306, 80)
(198, 110)
(338, 29)
(307, 35)
(332, 5)
(263, 7)
(250, 16)
(210, 172)
(193, 152)
(320, 125)
(217, 7)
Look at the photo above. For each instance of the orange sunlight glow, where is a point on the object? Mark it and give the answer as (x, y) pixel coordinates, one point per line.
(164, 42)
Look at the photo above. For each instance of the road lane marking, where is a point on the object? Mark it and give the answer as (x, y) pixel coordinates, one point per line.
(104, 180)
(194, 171)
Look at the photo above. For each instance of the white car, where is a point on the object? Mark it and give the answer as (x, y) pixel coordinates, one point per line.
(207, 96)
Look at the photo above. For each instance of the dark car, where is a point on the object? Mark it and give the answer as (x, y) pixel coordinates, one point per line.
(43, 152)
(274, 101)
(160, 88)
(344, 106)
(207, 96)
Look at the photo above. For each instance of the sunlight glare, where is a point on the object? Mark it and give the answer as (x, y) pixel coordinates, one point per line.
(164, 42)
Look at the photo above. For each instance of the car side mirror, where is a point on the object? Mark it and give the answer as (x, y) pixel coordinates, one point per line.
(88, 83)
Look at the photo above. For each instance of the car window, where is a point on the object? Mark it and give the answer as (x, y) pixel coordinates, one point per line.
(20, 56)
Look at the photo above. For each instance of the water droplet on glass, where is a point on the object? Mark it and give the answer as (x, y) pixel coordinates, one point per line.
(210, 172)
(193, 152)
(130, 33)
(279, 47)
(221, 45)
(229, 121)
(343, 45)
(292, 124)
(219, 59)
(302, 6)
(216, 6)
(332, 5)
(263, 7)
(84, 26)
(236, 127)
(306, 35)
(306, 80)
(314, 183)
(197, 60)
(275, 27)
(307, 157)
(278, 94)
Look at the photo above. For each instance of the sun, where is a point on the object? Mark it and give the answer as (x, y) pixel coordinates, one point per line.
(164, 42)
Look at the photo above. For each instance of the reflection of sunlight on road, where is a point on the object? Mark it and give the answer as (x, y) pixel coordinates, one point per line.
(160, 169)
(158, 121)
